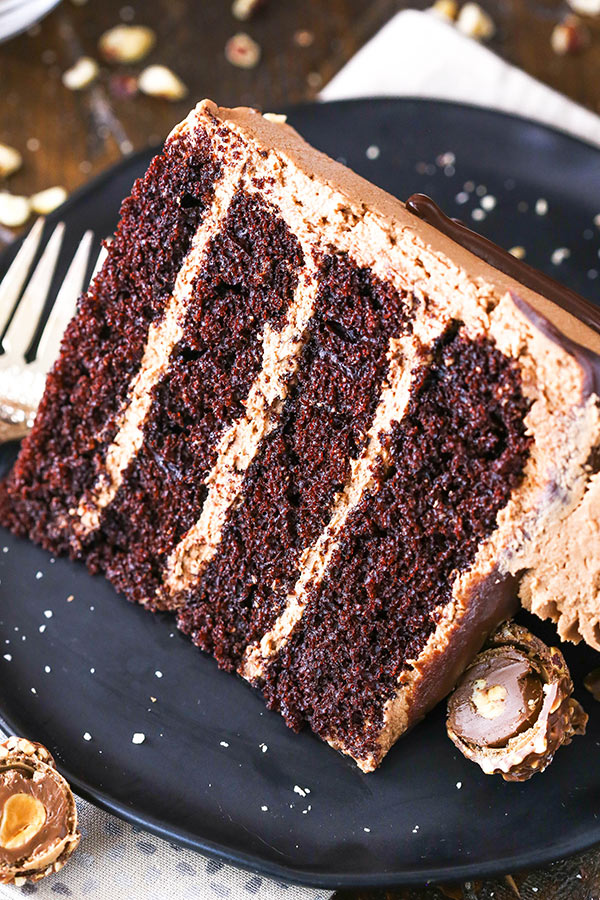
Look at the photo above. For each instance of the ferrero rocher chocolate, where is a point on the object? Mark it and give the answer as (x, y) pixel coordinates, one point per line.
(512, 709)
(38, 816)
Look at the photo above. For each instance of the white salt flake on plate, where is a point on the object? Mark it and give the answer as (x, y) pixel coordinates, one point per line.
(138, 738)
(541, 206)
(92, 671)
(263, 747)
(42, 629)
(8, 657)
(298, 790)
(265, 808)
(33, 691)
(47, 670)
(158, 674)
(87, 736)
(559, 255)
(367, 830)
(48, 613)
(458, 785)
(39, 575)
(415, 829)
(224, 744)
(373, 152)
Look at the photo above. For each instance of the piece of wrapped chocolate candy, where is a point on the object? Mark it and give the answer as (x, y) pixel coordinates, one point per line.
(38, 816)
(512, 709)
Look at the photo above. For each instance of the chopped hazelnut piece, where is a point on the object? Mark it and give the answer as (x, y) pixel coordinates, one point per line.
(245, 9)
(14, 210)
(10, 160)
(585, 7)
(126, 43)
(242, 51)
(278, 118)
(158, 81)
(45, 202)
(569, 36)
(445, 9)
(83, 73)
(475, 22)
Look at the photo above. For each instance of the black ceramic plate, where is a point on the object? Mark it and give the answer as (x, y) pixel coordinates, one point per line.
(217, 771)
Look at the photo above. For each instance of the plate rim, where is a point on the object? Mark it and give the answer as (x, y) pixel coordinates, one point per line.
(252, 862)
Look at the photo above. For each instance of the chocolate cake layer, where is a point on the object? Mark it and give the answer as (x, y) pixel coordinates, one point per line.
(451, 465)
(247, 282)
(303, 463)
(104, 343)
(330, 438)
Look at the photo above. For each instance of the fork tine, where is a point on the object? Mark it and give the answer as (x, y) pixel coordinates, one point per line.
(12, 283)
(64, 305)
(25, 320)
(99, 262)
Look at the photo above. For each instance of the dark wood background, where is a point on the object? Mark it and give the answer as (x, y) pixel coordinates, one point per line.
(66, 137)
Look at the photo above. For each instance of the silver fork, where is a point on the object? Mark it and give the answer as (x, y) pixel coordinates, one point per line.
(22, 382)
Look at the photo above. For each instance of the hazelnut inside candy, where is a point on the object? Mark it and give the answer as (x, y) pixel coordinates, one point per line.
(499, 697)
(33, 814)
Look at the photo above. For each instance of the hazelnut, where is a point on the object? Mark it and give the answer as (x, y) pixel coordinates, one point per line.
(245, 9)
(45, 202)
(242, 51)
(488, 701)
(158, 81)
(22, 818)
(585, 7)
(475, 22)
(126, 43)
(569, 36)
(445, 9)
(82, 74)
(277, 118)
(14, 210)
(10, 160)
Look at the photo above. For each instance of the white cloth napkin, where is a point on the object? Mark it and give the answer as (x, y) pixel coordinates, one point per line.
(415, 54)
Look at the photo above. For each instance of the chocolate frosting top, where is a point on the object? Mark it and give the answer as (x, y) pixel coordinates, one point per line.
(45, 789)
(425, 208)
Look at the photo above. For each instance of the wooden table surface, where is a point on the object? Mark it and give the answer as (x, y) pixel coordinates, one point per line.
(66, 137)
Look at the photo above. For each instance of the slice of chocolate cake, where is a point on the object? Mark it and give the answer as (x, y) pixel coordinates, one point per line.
(326, 435)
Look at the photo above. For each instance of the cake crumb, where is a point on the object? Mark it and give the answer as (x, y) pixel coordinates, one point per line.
(138, 737)
(70, 598)
(304, 38)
